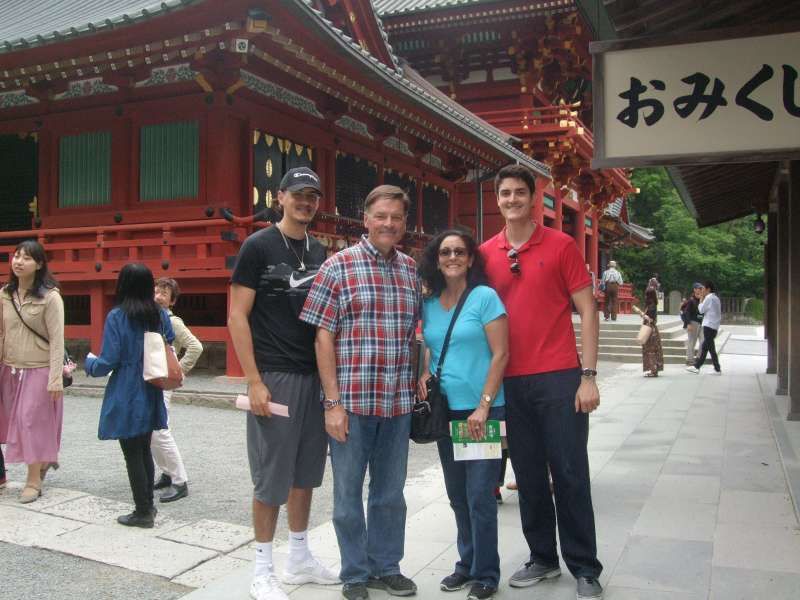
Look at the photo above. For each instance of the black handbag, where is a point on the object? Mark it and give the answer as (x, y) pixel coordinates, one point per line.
(69, 364)
(430, 418)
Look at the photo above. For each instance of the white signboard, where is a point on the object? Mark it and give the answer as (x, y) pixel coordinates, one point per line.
(727, 100)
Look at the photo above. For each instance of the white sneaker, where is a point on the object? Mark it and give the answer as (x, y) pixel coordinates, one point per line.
(267, 587)
(694, 370)
(309, 571)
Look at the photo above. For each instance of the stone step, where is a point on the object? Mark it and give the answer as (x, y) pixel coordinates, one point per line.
(667, 347)
(631, 339)
(628, 357)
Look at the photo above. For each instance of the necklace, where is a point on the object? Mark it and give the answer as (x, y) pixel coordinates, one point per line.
(302, 256)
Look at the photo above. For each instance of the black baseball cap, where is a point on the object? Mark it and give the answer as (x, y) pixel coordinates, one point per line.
(300, 178)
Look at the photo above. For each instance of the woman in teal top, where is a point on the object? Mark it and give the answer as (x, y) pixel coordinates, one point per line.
(472, 380)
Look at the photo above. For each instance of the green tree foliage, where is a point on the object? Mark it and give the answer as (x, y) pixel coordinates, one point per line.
(730, 254)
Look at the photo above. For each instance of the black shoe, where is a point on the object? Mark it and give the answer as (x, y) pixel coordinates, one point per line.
(355, 591)
(478, 591)
(163, 482)
(589, 589)
(175, 492)
(454, 582)
(138, 520)
(395, 585)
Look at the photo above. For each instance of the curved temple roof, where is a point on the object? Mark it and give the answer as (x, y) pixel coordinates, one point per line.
(37, 22)
(396, 7)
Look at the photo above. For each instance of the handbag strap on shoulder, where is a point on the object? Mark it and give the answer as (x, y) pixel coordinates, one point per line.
(19, 314)
(446, 343)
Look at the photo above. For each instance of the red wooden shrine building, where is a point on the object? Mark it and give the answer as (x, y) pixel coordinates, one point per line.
(154, 132)
(524, 66)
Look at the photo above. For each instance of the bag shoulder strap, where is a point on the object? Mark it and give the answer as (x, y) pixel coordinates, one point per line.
(19, 314)
(446, 343)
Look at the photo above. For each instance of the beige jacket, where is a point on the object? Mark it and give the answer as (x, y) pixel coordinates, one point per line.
(24, 350)
(185, 340)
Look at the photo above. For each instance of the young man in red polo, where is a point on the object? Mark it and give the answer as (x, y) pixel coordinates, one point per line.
(539, 273)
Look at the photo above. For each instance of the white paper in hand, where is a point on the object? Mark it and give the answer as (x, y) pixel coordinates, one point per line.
(243, 403)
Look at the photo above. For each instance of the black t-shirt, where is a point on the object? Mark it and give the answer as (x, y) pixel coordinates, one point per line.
(281, 341)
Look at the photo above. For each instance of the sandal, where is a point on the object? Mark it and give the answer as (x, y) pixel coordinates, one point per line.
(47, 466)
(30, 493)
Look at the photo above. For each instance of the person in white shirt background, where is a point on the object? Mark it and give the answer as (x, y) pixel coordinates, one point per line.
(711, 309)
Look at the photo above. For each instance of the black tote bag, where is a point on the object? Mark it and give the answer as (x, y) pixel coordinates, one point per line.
(430, 419)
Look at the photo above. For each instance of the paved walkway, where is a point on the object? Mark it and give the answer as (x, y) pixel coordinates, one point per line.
(690, 490)
(690, 494)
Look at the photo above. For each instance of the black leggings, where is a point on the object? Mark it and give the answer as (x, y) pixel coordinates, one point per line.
(708, 347)
(2, 464)
(141, 471)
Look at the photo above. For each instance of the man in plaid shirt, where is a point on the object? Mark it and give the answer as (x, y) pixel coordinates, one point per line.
(365, 305)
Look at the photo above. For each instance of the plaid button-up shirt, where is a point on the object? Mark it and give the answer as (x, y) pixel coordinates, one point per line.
(371, 304)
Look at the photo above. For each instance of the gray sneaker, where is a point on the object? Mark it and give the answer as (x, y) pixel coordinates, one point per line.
(532, 573)
(589, 589)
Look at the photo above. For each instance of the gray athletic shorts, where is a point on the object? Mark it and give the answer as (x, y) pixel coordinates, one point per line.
(286, 453)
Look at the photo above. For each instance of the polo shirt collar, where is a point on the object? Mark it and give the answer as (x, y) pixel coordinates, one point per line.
(374, 252)
(536, 238)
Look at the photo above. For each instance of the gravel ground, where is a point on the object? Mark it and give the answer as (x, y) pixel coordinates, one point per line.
(35, 574)
(212, 442)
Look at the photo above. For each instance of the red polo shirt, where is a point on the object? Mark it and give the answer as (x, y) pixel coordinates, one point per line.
(537, 299)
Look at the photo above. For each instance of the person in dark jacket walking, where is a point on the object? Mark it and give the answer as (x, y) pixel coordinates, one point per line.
(132, 408)
(694, 328)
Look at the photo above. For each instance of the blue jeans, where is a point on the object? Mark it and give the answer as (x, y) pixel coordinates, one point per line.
(470, 487)
(544, 430)
(382, 445)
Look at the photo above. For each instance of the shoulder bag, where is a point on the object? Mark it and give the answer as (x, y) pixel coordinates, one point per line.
(645, 331)
(160, 366)
(430, 419)
(69, 364)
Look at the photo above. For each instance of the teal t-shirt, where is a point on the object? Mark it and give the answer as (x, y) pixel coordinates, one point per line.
(468, 356)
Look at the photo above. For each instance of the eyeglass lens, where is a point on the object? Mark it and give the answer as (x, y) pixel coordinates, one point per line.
(459, 252)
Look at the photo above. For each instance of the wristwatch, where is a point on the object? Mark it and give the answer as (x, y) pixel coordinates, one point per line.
(329, 404)
(590, 373)
(486, 400)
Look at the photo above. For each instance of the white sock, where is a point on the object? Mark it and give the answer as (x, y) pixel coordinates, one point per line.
(298, 547)
(263, 558)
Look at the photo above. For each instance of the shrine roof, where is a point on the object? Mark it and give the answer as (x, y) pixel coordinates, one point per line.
(414, 86)
(615, 208)
(37, 22)
(396, 7)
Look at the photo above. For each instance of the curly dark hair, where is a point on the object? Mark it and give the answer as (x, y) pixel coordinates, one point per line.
(429, 264)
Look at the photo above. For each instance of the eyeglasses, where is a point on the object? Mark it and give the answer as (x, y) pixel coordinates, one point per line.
(457, 252)
(513, 256)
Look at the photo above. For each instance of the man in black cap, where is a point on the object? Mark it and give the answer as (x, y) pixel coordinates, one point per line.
(271, 279)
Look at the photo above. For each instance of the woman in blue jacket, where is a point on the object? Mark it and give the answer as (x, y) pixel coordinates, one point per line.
(132, 408)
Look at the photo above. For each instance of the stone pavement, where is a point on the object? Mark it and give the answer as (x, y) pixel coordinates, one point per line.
(690, 494)
(690, 489)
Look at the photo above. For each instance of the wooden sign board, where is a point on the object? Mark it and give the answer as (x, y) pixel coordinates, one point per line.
(708, 97)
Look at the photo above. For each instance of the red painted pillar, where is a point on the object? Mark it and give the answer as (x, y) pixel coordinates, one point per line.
(232, 366)
(420, 207)
(98, 307)
(452, 200)
(558, 222)
(580, 228)
(594, 243)
(538, 200)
